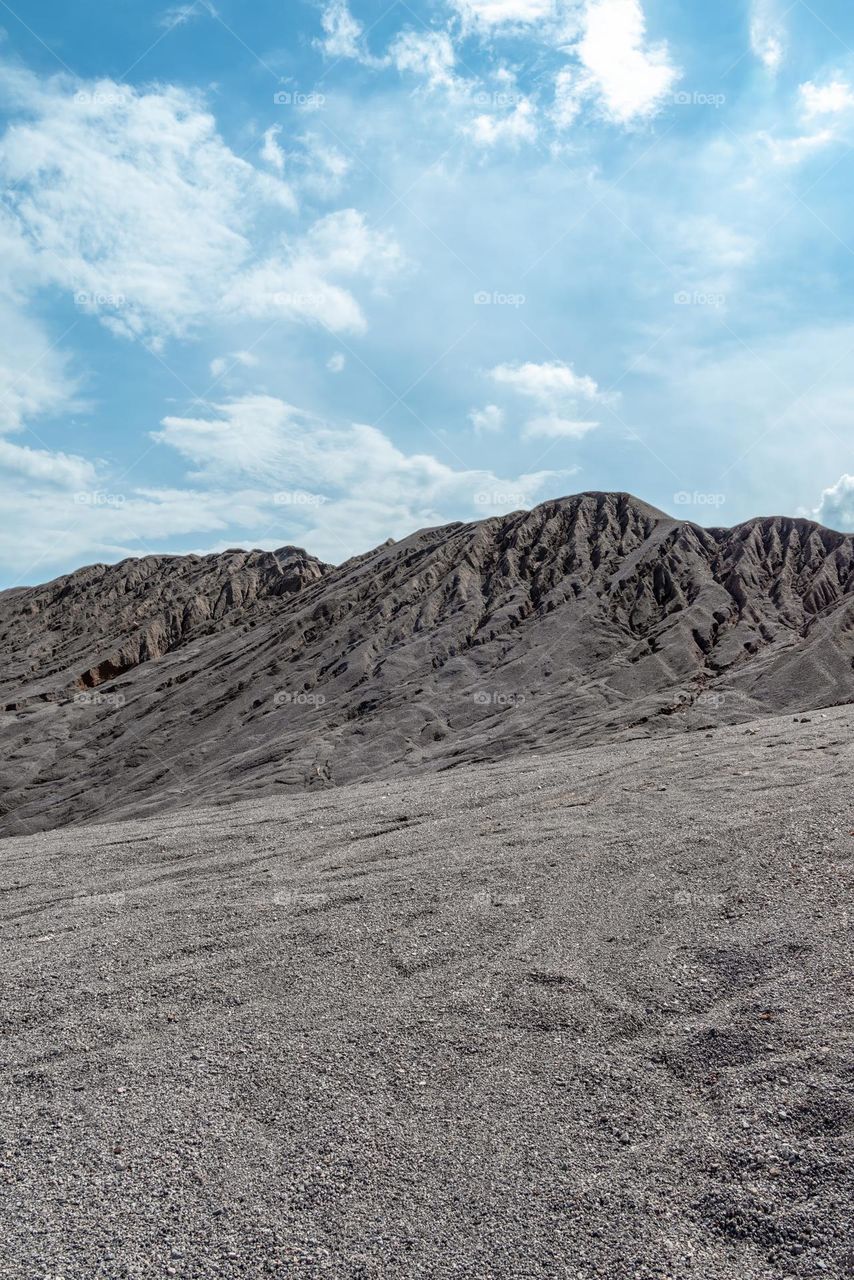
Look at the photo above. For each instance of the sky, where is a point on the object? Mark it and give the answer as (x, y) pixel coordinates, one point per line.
(323, 272)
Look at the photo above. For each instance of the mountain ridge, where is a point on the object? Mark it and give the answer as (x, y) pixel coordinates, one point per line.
(590, 617)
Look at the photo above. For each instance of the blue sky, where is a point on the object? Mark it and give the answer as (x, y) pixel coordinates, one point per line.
(326, 272)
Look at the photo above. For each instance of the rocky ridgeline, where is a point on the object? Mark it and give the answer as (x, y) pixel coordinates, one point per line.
(173, 680)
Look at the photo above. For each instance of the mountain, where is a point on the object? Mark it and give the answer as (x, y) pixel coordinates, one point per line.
(172, 681)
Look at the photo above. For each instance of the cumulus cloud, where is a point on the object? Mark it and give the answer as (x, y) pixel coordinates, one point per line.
(336, 362)
(825, 99)
(516, 127)
(557, 391)
(132, 198)
(629, 77)
(488, 420)
(836, 508)
(133, 203)
(547, 382)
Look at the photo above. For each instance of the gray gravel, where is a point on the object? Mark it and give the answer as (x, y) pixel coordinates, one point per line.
(579, 1015)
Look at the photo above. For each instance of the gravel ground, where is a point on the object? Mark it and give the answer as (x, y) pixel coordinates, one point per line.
(578, 1015)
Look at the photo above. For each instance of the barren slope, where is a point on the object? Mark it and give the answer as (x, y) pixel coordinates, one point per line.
(584, 1016)
(587, 618)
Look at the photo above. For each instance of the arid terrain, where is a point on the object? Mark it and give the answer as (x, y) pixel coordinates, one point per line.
(575, 1014)
(477, 908)
(167, 682)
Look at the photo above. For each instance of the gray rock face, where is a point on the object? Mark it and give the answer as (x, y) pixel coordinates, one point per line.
(118, 616)
(590, 618)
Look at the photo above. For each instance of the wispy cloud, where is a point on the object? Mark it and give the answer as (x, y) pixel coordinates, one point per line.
(767, 34)
(180, 14)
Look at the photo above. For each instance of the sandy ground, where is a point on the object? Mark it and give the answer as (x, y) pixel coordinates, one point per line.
(581, 1015)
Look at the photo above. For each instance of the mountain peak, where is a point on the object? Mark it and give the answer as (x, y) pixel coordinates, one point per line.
(590, 618)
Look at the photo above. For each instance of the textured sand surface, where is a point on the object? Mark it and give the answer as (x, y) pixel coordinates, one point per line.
(571, 1015)
(169, 682)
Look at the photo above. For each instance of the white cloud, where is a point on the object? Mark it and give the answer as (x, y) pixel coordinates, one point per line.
(767, 34)
(222, 364)
(557, 390)
(553, 427)
(319, 168)
(427, 54)
(64, 469)
(132, 202)
(826, 99)
(271, 153)
(629, 77)
(547, 382)
(792, 151)
(180, 14)
(34, 379)
(617, 69)
(74, 523)
(487, 420)
(494, 13)
(336, 362)
(518, 126)
(301, 283)
(825, 110)
(342, 32)
(836, 508)
(569, 95)
(372, 488)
